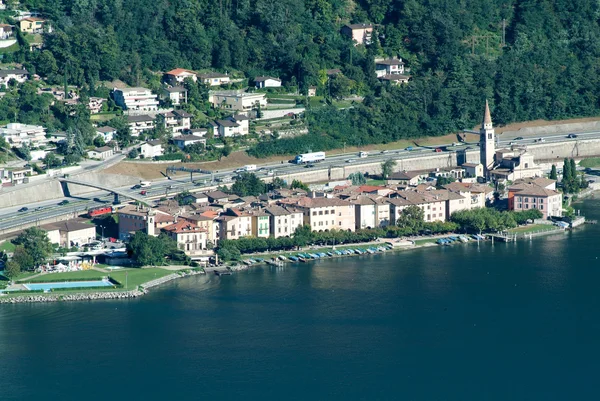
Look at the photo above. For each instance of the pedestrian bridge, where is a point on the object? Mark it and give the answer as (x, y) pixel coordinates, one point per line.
(65, 181)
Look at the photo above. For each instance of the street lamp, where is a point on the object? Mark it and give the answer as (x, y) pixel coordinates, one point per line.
(102, 227)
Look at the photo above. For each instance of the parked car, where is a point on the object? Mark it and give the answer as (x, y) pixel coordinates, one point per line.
(64, 202)
(571, 136)
(23, 209)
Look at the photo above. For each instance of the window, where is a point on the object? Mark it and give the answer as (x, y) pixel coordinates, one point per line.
(533, 200)
(428, 217)
(314, 213)
(526, 199)
(490, 136)
(326, 211)
(340, 223)
(332, 211)
(519, 205)
(320, 213)
(526, 206)
(279, 230)
(541, 207)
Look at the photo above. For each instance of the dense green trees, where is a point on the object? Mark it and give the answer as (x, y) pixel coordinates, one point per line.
(33, 248)
(153, 251)
(488, 219)
(248, 184)
(572, 182)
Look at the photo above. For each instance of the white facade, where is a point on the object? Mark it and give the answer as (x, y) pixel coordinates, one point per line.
(18, 134)
(107, 133)
(267, 82)
(214, 79)
(138, 124)
(184, 140)
(18, 75)
(101, 153)
(178, 75)
(237, 101)
(151, 149)
(135, 99)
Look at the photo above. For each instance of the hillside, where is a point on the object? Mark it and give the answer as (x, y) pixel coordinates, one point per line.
(546, 68)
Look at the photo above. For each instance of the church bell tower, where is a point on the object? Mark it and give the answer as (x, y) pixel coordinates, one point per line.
(487, 142)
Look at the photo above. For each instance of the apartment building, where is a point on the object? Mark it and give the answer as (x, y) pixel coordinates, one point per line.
(139, 124)
(327, 213)
(235, 224)
(17, 134)
(531, 196)
(283, 221)
(240, 101)
(135, 99)
(190, 238)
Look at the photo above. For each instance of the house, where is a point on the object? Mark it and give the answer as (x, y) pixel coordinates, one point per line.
(178, 75)
(151, 149)
(240, 101)
(95, 104)
(15, 176)
(18, 134)
(70, 233)
(475, 194)
(432, 204)
(371, 212)
(243, 121)
(514, 164)
(528, 196)
(176, 121)
(267, 82)
(392, 66)
(134, 218)
(406, 178)
(107, 133)
(176, 94)
(207, 221)
(260, 223)
(6, 31)
(103, 153)
(333, 72)
(397, 205)
(214, 79)
(135, 99)
(190, 238)
(312, 91)
(284, 220)
(198, 198)
(324, 214)
(32, 25)
(227, 128)
(19, 75)
(359, 33)
(473, 169)
(184, 140)
(218, 197)
(235, 224)
(200, 132)
(395, 79)
(139, 124)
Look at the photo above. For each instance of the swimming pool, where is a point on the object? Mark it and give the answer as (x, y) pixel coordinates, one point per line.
(68, 284)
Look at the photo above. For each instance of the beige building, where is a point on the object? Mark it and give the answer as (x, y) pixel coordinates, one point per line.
(235, 224)
(473, 169)
(371, 212)
(324, 214)
(214, 79)
(70, 233)
(359, 33)
(284, 220)
(178, 75)
(207, 222)
(515, 164)
(32, 25)
(103, 152)
(407, 178)
(190, 238)
(134, 218)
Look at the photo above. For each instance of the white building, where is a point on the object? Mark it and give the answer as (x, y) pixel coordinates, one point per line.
(227, 128)
(176, 94)
(178, 75)
(237, 101)
(70, 233)
(177, 121)
(214, 79)
(102, 153)
(267, 82)
(135, 99)
(18, 75)
(138, 124)
(18, 134)
(95, 104)
(6, 31)
(107, 133)
(184, 140)
(151, 149)
(389, 67)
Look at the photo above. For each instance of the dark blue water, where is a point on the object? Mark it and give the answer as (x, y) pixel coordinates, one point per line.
(502, 322)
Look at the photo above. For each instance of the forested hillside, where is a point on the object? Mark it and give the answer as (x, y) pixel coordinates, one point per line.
(547, 68)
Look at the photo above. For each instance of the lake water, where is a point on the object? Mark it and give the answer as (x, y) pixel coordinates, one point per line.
(467, 322)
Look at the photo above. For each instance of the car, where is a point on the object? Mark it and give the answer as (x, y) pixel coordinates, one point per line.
(409, 148)
(350, 161)
(23, 209)
(519, 138)
(170, 187)
(571, 136)
(438, 150)
(64, 202)
(309, 166)
(136, 186)
(37, 209)
(383, 152)
(270, 173)
(144, 192)
(590, 181)
(540, 140)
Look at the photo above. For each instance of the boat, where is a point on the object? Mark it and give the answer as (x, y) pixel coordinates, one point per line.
(293, 258)
(463, 238)
(441, 241)
(323, 255)
(301, 259)
(281, 257)
(329, 254)
(222, 273)
(369, 250)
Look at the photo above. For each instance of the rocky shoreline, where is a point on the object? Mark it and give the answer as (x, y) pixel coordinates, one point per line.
(92, 296)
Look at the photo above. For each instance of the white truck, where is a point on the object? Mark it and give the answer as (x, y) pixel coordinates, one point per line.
(249, 167)
(313, 157)
(362, 155)
(145, 184)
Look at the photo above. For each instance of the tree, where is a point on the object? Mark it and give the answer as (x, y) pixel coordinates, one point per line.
(133, 153)
(297, 184)
(12, 269)
(51, 161)
(248, 184)
(23, 259)
(411, 218)
(357, 178)
(151, 251)
(553, 175)
(387, 168)
(36, 244)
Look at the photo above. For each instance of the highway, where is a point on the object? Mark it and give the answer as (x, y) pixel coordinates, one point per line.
(11, 218)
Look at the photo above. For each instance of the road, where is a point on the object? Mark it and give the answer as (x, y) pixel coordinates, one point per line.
(10, 218)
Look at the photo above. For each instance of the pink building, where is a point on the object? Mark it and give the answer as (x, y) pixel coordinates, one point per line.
(531, 196)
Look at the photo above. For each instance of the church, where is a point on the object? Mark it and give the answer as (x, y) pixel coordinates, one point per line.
(507, 164)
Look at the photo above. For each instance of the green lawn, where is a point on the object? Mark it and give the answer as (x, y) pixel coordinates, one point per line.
(375, 182)
(102, 117)
(590, 162)
(7, 246)
(137, 277)
(532, 228)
